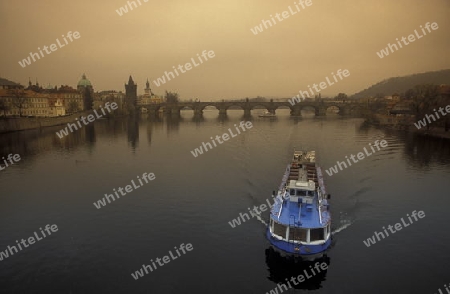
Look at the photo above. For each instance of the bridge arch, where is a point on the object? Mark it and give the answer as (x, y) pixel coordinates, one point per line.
(210, 105)
(258, 106)
(239, 107)
(319, 107)
(234, 107)
(287, 106)
(305, 107)
(261, 108)
(335, 108)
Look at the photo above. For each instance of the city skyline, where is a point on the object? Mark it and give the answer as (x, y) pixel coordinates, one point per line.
(285, 58)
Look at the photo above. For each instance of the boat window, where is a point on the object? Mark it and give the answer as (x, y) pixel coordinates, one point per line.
(298, 234)
(292, 192)
(301, 193)
(279, 230)
(317, 234)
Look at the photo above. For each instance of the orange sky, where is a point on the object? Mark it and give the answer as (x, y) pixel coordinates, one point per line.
(302, 49)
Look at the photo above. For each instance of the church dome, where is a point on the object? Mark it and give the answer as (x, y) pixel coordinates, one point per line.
(84, 82)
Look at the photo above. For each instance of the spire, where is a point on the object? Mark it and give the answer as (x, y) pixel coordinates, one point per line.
(130, 81)
(29, 82)
(84, 76)
(147, 84)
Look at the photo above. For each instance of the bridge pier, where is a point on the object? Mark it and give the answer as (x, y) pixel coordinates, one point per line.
(151, 111)
(297, 111)
(175, 111)
(321, 111)
(345, 111)
(247, 112)
(198, 112)
(222, 111)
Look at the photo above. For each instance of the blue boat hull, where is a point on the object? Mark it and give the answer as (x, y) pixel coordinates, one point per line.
(307, 252)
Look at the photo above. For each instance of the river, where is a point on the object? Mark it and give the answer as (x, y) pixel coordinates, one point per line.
(193, 199)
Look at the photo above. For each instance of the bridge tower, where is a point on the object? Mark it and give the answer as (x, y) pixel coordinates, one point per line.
(131, 93)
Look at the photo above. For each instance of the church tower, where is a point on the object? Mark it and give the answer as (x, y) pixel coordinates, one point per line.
(85, 88)
(148, 91)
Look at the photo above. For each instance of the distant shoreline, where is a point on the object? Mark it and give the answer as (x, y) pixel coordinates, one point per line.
(436, 132)
(16, 124)
(407, 125)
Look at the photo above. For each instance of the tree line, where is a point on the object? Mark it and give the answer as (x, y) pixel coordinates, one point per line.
(427, 99)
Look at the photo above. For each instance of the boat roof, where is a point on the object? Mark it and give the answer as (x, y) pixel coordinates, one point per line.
(303, 170)
(291, 214)
(304, 185)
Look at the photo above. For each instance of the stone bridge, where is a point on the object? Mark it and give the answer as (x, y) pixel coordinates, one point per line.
(320, 107)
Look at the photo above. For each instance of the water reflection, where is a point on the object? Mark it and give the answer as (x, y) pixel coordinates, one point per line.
(133, 131)
(282, 270)
(154, 124)
(173, 123)
(421, 152)
(222, 118)
(198, 119)
(89, 131)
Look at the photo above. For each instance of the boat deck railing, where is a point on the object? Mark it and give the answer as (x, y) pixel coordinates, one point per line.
(311, 172)
(319, 207)
(285, 178)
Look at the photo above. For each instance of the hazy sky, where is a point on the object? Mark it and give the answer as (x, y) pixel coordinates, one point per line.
(283, 59)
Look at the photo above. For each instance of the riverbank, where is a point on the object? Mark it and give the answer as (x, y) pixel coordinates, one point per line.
(406, 123)
(15, 124)
(436, 132)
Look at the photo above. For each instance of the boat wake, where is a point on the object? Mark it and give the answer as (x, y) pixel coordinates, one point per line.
(340, 229)
(258, 217)
(344, 222)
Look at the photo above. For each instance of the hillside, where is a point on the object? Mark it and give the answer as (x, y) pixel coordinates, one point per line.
(401, 84)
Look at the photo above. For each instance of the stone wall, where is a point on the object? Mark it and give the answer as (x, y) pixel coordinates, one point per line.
(23, 123)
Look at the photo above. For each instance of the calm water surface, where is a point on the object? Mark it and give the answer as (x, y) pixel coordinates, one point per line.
(193, 199)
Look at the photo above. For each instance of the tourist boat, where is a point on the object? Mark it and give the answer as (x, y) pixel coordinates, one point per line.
(300, 220)
(267, 114)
